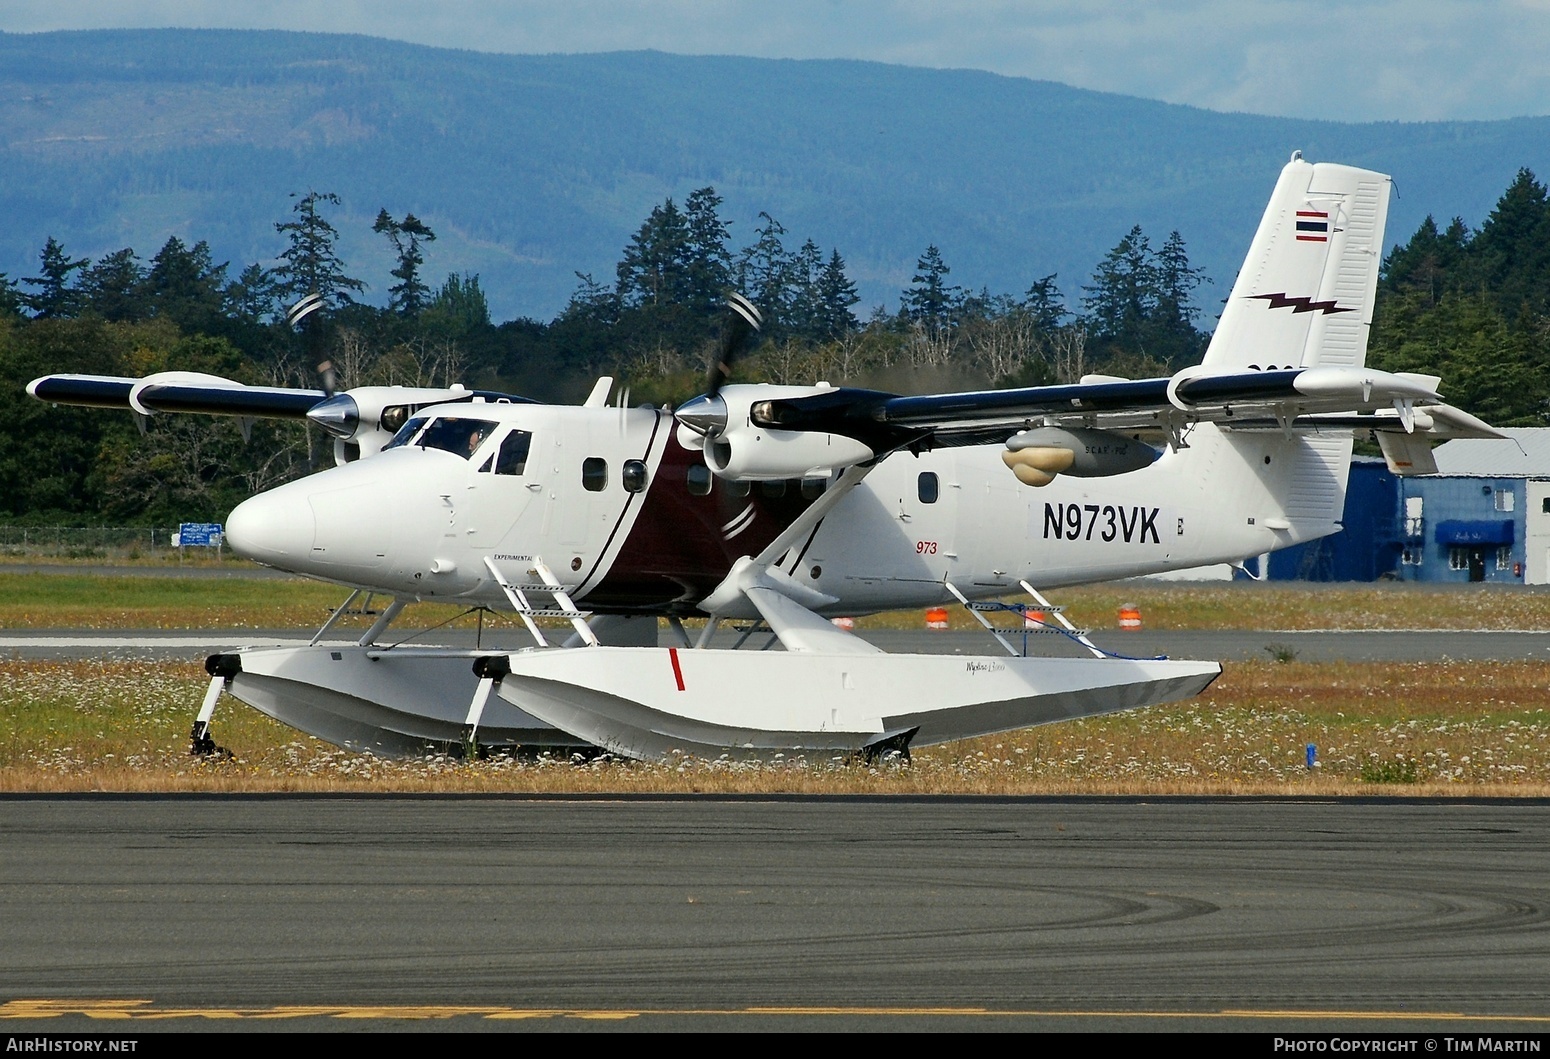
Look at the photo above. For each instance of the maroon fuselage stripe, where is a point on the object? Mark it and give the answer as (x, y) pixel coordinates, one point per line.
(677, 550)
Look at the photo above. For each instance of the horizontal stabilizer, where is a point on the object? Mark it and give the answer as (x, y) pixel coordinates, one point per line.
(1407, 454)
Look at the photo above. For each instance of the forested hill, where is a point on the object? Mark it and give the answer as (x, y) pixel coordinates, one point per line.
(532, 168)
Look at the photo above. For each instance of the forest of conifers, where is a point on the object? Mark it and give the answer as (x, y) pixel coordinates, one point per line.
(1469, 304)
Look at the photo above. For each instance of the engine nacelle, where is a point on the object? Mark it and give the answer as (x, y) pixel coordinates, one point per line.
(1037, 456)
(738, 450)
(365, 418)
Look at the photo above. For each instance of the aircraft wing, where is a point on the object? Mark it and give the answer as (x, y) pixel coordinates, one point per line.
(177, 391)
(365, 417)
(1301, 397)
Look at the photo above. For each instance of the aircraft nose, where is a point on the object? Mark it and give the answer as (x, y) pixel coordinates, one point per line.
(271, 529)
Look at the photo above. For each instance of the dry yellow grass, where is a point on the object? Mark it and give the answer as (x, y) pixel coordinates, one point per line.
(1397, 728)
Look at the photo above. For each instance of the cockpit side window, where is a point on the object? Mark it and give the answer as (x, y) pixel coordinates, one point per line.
(512, 458)
(460, 435)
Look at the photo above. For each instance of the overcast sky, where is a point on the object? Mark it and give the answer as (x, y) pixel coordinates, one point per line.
(1354, 60)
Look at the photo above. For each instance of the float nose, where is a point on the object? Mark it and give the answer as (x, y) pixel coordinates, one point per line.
(272, 529)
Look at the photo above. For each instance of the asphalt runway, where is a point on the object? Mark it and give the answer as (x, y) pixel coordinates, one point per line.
(346, 913)
(1224, 645)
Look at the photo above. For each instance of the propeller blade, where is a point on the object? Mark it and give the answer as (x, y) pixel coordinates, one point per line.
(305, 307)
(744, 320)
(329, 376)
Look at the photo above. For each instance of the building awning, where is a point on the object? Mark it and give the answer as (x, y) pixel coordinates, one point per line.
(1475, 531)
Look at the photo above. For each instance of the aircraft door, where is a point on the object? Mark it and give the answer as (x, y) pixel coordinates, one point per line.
(503, 485)
(991, 514)
(927, 510)
(594, 471)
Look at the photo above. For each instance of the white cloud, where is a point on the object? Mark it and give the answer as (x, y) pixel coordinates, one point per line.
(1342, 59)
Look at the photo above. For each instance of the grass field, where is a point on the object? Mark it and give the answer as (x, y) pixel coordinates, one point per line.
(88, 601)
(1437, 728)
(1442, 728)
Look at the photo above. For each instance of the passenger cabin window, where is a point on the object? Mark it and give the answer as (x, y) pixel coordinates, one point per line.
(633, 476)
(773, 489)
(812, 488)
(928, 488)
(512, 457)
(698, 476)
(594, 474)
(739, 489)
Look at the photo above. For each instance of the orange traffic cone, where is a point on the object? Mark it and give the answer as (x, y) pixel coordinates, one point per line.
(1130, 618)
(936, 618)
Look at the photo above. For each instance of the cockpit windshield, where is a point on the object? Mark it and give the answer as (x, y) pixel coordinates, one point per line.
(459, 435)
(407, 431)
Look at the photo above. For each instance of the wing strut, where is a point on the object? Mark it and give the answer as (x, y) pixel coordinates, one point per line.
(758, 587)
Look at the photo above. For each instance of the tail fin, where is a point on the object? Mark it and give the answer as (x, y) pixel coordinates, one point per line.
(1305, 294)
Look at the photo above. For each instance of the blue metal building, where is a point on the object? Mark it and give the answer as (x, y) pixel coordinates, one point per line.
(1484, 517)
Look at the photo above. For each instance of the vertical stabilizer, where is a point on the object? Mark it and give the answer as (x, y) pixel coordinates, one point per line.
(1305, 293)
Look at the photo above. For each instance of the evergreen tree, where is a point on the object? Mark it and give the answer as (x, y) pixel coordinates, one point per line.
(1173, 337)
(309, 263)
(654, 270)
(929, 299)
(55, 298)
(591, 303)
(1431, 262)
(1123, 293)
(1513, 249)
(836, 294)
(185, 286)
(1140, 311)
(706, 259)
(113, 288)
(1494, 370)
(251, 298)
(1044, 304)
(10, 297)
(806, 271)
(409, 295)
(459, 307)
(768, 274)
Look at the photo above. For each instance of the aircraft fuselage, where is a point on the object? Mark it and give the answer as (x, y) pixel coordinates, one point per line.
(630, 520)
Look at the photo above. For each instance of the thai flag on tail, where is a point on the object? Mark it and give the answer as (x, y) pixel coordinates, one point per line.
(1312, 226)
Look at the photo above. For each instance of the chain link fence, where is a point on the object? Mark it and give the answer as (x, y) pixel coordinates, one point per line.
(89, 542)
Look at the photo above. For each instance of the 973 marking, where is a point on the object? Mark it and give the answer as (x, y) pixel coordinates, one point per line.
(1081, 522)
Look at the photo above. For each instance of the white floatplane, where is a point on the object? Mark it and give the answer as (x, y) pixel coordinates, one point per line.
(791, 505)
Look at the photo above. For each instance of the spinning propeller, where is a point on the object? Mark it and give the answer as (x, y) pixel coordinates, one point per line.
(706, 415)
(302, 313)
(744, 321)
